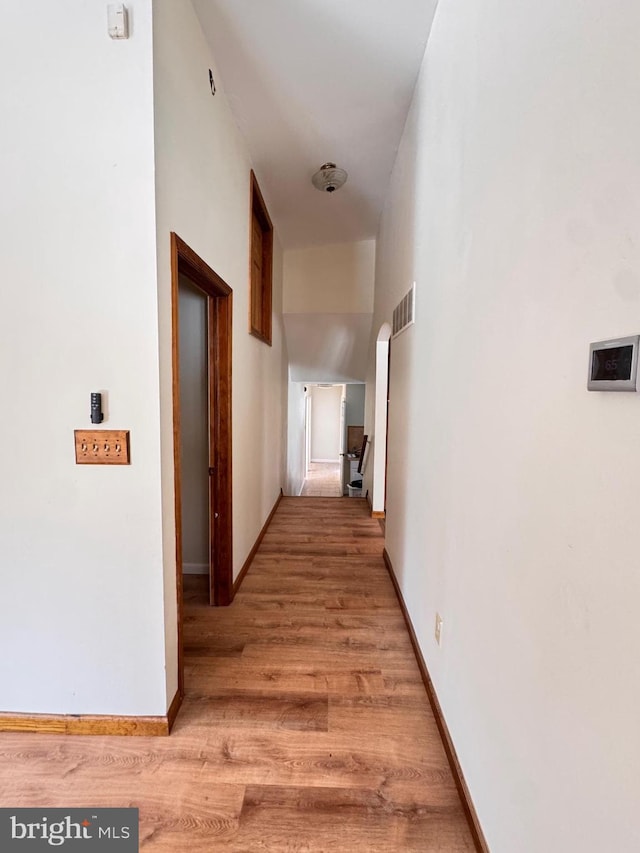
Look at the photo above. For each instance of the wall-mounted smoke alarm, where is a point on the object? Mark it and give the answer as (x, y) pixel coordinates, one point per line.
(118, 21)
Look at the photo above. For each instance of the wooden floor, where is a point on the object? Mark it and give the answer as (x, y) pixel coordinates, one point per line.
(305, 727)
(323, 480)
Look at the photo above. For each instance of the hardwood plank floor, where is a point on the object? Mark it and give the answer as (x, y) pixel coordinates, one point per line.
(323, 480)
(305, 727)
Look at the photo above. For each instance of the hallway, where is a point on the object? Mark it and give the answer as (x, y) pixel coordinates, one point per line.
(322, 481)
(305, 725)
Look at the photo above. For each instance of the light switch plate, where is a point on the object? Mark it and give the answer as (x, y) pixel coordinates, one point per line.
(102, 446)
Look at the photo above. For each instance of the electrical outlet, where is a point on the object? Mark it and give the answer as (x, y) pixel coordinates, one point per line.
(102, 446)
(438, 631)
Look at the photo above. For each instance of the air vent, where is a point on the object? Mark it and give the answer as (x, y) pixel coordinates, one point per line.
(404, 312)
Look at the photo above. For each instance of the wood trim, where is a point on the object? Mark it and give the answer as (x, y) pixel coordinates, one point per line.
(255, 189)
(174, 707)
(375, 513)
(219, 333)
(177, 464)
(86, 724)
(454, 763)
(70, 724)
(198, 270)
(258, 211)
(253, 551)
(220, 355)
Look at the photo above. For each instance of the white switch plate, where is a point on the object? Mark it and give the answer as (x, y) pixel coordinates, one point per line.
(438, 631)
(118, 20)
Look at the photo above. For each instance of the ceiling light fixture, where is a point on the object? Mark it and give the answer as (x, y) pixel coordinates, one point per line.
(329, 178)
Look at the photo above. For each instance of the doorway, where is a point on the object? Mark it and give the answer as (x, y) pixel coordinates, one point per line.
(201, 425)
(194, 437)
(381, 421)
(334, 417)
(323, 440)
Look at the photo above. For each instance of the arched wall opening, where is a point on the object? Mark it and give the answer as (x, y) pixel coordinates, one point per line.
(383, 343)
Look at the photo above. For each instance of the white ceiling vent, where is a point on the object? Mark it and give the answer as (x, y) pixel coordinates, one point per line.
(404, 312)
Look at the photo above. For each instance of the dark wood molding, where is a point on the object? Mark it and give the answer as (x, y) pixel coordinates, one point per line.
(84, 724)
(260, 287)
(174, 707)
(454, 763)
(198, 271)
(220, 360)
(253, 551)
(176, 246)
(184, 261)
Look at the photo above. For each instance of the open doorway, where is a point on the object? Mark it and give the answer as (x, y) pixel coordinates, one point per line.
(323, 440)
(201, 312)
(334, 414)
(194, 432)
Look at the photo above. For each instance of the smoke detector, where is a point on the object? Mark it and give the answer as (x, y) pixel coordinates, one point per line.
(329, 178)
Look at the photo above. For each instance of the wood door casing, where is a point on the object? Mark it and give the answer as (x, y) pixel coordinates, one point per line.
(184, 261)
(260, 266)
(257, 267)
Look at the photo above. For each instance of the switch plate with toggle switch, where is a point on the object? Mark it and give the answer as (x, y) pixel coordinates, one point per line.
(102, 447)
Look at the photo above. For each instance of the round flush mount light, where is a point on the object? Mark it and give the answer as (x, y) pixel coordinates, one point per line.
(329, 178)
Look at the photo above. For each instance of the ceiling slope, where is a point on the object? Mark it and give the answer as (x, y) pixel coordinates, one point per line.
(327, 347)
(316, 80)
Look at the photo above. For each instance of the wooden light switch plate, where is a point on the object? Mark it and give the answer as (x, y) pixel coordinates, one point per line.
(102, 446)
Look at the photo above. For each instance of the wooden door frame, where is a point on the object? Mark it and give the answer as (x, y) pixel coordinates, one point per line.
(219, 329)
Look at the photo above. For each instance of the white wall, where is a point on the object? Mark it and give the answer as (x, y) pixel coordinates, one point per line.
(328, 304)
(325, 423)
(374, 471)
(327, 347)
(330, 279)
(194, 428)
(81, 613)
(512, 494)
(202, 171)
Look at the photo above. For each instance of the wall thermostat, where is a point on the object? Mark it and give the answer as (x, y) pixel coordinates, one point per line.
(613, 365)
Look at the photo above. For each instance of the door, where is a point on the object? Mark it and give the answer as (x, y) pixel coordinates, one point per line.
(193, 358)
(216, 460)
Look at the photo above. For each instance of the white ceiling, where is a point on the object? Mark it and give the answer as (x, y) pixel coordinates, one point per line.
(317, 80)
(327, 347)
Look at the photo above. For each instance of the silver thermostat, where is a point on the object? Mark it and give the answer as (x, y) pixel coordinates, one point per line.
(613, 365)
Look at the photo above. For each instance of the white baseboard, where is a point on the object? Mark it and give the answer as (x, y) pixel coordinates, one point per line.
(195, 569)
(335, 461)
